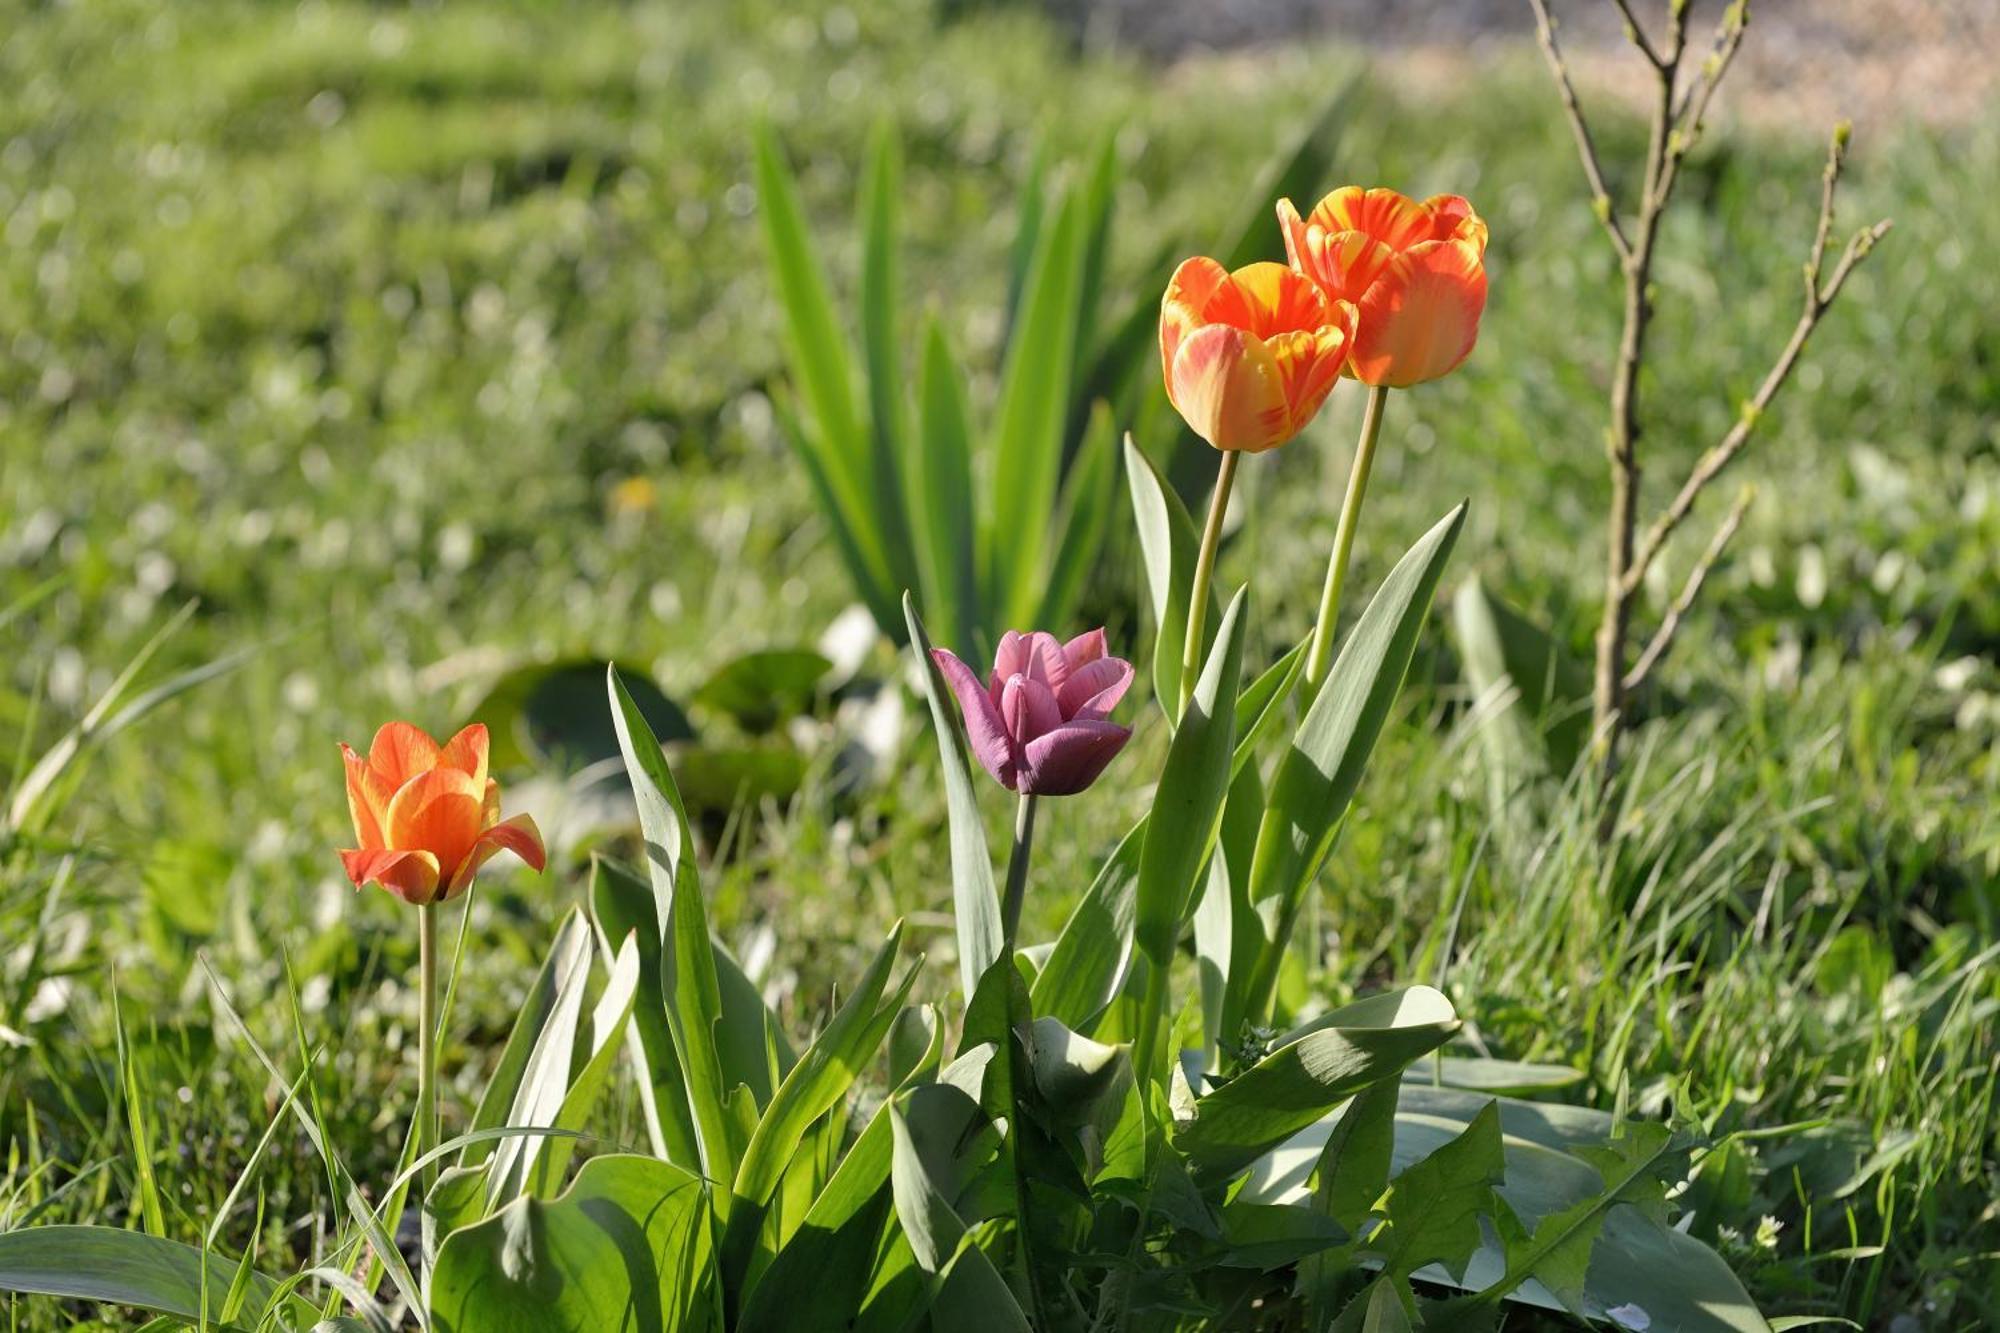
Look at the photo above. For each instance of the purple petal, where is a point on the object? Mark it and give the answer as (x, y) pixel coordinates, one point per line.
(1065, 761)
(1046, 662)
(1011, 657)
(1027, 709)
(983, 727)
(1086, 647)
(1095, 689)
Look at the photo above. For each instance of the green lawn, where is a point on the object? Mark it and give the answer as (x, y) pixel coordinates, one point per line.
(351, 324)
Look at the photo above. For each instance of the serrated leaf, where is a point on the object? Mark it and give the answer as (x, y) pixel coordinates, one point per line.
(1431, 1211)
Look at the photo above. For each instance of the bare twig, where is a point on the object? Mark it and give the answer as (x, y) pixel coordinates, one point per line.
(1636, 34)
(1818, 297)
(1601, 202)
(1670, 625)
(1693, 104)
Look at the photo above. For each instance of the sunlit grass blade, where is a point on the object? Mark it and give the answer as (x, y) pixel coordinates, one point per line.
(1088, 495)
(942, 513)
(881, 294)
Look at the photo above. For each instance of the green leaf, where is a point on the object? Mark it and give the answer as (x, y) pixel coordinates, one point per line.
(628, 1247)
(764, 688)
(547, 1159)
(1537, 695)
(1087, 501)
(1353, 1171)
(1431, 1211)
(693, 998)
(542, 1081)
(1297, 173)
(1028, 437)
(1167, 546)
(1262, 703)
(1382, 1307)
(868, 571)
(942, 1139)
(621, 905)
(1506, 1078)
(1187, 805)
(1319, 773)
(941, 508)
(975, 905)
(552, 713)
(880, 299)
(117, 1267)
(1297, 1084)
(1086, 970)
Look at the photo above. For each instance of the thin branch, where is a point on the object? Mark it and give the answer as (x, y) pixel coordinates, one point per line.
(1601, 202)
(1637, 35)
(1663, 637)
(1693, 105)
(1818, 298)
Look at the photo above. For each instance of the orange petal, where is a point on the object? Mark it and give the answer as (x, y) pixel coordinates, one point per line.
(438, 812)
(467, 752)
(1343, 263)
(1309, 364)
(411, 876)
(1386, 215)
(1452, 219)
(1269, 299)
(1421, 318)
(1229, 388)
(1188, 293)
(367, 798)
(400, 752)
(517, 835)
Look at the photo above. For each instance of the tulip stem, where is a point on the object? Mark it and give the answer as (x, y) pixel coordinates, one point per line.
(1204, 573)
(1320, 659)
(1017, 869)
(427, 1017)
(1152, 1012)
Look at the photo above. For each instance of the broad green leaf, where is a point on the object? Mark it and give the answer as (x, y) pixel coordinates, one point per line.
(1167, 547)
(1187, 805)
(868, 571)
(941, 508)
(621, 905)
(1224, 926)
(1086, 515)
(1536, 696)
(1028, 436)
(1432, 1209)
(1087, 968)
(1353, 1171)
(880, 299)
(548, 1159)
(1266, 1236)
(1383, 1306)
(941, 1139)
(692, 995)
(117, 1267)
(1262, 703)
(761, 689)
(1506, 1078)
(627, 1247)
(1296, 1085)
(1071, 1072)
(1320, 772)
(543, 1081)
(975, 904)
(567, 963)
(552, 714)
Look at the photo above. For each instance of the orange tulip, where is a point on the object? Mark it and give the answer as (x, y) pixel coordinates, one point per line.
(1416, 272)
(1249, 356)
(427, 816)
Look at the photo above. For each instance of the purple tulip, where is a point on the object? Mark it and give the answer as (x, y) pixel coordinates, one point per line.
(1038, 723)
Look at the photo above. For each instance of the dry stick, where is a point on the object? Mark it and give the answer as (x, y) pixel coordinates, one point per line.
(1601, 201)
(1634, 33)
(1693, 105)
(1663, 637)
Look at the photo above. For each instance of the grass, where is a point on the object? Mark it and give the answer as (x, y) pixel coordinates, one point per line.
(353, 325)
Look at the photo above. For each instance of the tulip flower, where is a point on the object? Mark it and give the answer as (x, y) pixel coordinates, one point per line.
(427, 816)
(1040, 725)
(1415, 272)
(1249, 356)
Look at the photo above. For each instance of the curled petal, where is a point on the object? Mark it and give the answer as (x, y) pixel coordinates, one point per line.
(441, 812)
(367, 799)
(983, 728)
(400, 752)
(467, 752)
(411, 875)
(1095, 689)
(1065, 761)
(1085, 647)
(517, 835)
(1181, 309)
(1228, 387)
(1028, 708)
(1387, 215)
(1268, 299)
(1421, 318)
(1452, 219)
(1342, 263)
(1309, 365)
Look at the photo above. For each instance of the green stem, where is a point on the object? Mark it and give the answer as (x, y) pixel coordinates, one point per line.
(1204, 573)
(1152, 1012)
(427, 1013)
(1017, 869)
(1321, 656)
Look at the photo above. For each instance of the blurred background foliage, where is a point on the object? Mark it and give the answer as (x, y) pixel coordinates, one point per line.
(414, 345)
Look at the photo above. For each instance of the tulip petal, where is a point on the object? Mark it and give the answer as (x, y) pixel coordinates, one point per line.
(1047, 662)
(983, 728)
(1095, 689)
(441, 812)
(1343, 263)
(400, 752)
(1228, 387)
(467, 752)
(410, 875)
(1421, 318)
(1309, 365)
(1028, 708)
(1181, 312)
(1085, 647)
(517, 835)
(1452, 219)
(1268, 299)
(1387, 215)
(1065, 761)
(367, 799)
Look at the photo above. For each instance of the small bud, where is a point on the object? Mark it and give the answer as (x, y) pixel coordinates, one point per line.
(1750, 413)
(1842, 132)
(1601, 206)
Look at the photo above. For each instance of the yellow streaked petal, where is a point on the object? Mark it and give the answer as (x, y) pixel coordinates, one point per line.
(1228, 386)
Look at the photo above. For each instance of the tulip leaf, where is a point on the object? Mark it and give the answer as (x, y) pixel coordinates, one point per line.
(627, 1246)
(692, 994)
(1032, 410)
(941, 506)
(975, 904)
(1319, 773)
(880, 299)
(528, 1087)
(1297, 1084)
(1187, 804)
(547, 1158)
(1262, 703)
(941, 1140)
(1087, 501)
(1087, 968)
(869, 572)
(1167, 544)
(113, 1266)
